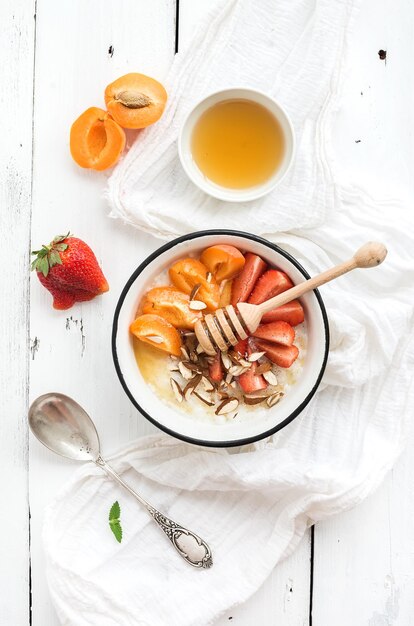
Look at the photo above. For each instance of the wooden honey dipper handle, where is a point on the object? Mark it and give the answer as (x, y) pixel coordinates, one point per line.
(369, 255)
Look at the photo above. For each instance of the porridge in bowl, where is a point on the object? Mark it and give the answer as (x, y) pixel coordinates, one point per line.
(256, 373)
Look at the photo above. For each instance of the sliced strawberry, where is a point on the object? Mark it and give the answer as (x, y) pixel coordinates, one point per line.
(278, 332)
(241, 346)
(243, 283)
(283, 356)
(215, 369)
(292, 313)
(270, 284)
(250, 381)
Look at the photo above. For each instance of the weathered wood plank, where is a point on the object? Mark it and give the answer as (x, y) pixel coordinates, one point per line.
(364, 559)
(16, 95)
(82, 46)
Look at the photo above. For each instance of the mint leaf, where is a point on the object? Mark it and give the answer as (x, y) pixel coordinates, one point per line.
(115, 522)
(115, 512)
(116, 528)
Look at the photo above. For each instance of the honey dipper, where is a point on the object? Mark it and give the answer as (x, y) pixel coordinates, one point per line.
(226, 326)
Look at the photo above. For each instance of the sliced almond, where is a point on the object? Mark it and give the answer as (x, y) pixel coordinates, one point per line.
(191, 386)
(245, 363)
(199, 349)
(185, 372)
(173, 367)
(192, 366)
(270, 377)
(207, 384)
(274, 399)
(255, 400)
(185, 354)
(197, 305)
(264, 367)
(177, 390)
(203, 399)
(226, 360)
(155, 338)
(188, 393)
(227, 406)
(237, 370)
(194, 291)
(229, 378)
(255, 356)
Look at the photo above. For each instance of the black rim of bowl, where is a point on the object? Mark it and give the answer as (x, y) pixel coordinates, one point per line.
(150, 259)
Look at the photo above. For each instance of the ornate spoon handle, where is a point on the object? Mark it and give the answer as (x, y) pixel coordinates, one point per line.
(190, 546)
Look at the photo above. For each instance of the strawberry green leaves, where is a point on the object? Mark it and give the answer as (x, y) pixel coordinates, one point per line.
(48, 256)
(115, 521)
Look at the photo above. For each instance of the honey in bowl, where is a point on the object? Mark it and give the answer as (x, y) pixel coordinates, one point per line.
(238, 144)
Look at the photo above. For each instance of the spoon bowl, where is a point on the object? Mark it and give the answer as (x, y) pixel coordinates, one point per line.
(64, 427)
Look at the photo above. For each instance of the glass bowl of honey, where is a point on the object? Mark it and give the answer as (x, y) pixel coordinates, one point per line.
(237, 144)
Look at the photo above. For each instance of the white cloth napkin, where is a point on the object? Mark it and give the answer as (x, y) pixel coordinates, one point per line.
(252, 507)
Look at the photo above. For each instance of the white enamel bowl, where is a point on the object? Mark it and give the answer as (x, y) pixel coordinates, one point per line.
(175, 421)
(225, 193)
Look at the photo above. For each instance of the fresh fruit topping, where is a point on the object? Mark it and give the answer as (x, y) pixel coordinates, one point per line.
(250, 381)
(225, 295)
(135, 100)
(147, 327)
(278, 332)
(241, 347)
(223, 261)
(172, 305)
(68, 268)
(215, 369)
(283, 356)
(96, 140)
(243, 284)
(187, 274)
(292, 313)
(270, 284)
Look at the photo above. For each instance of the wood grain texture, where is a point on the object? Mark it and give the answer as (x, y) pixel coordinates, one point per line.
(81, 47)
(16, 89)
(364, 559)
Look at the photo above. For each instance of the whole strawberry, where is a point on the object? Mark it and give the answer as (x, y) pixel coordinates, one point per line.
(68, 268)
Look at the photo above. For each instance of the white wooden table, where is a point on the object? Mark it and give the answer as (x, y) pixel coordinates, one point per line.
(56, 58)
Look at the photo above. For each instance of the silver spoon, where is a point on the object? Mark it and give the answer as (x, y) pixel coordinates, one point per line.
(64, 427)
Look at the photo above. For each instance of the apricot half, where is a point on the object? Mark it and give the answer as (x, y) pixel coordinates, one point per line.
(96, 141)
(187, 274)
(135, 100)
(157, 332)
(223, 261)
(172, 305)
